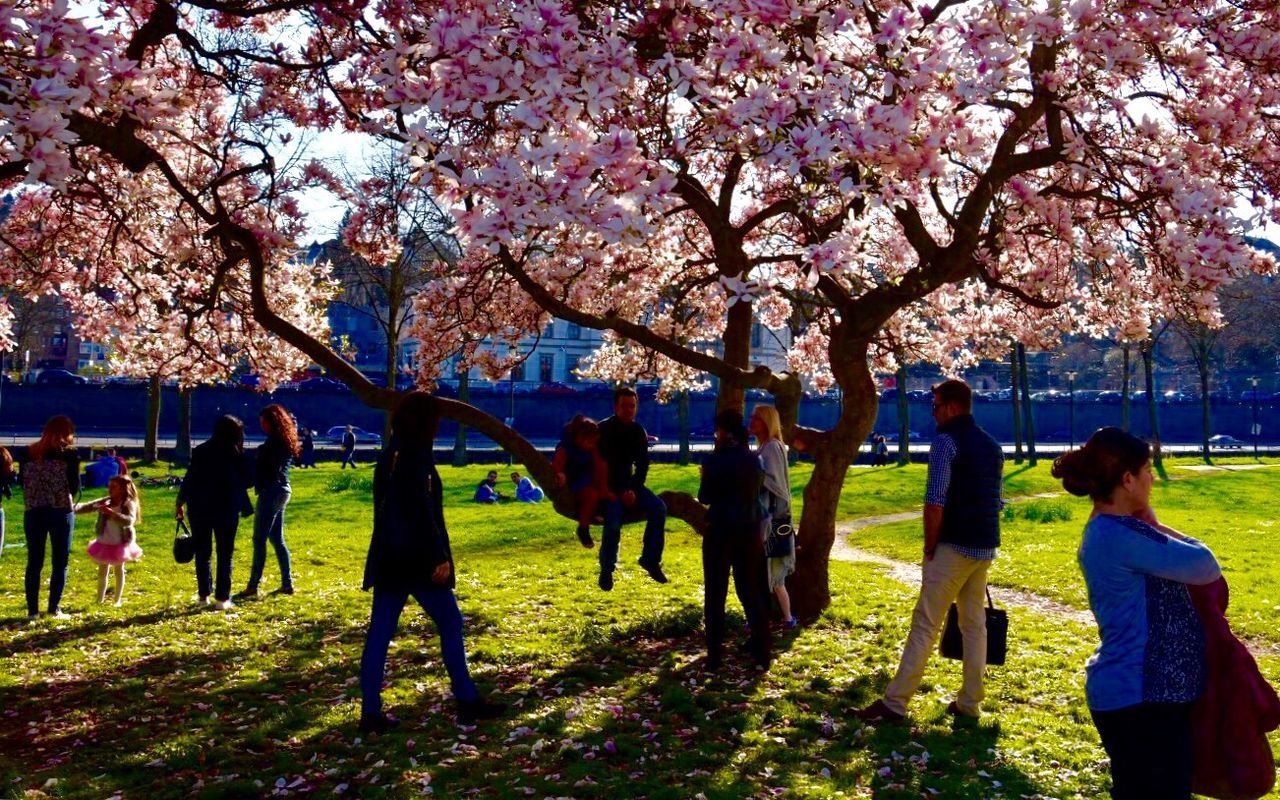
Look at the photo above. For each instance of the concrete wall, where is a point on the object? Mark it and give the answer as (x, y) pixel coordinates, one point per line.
(123, 409)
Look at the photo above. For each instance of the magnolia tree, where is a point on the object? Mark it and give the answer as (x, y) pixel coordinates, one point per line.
(928, 182)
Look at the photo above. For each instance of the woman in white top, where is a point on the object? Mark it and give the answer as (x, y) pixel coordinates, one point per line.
(775, 497)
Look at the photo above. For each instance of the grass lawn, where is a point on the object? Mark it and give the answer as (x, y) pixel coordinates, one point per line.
(606, 696)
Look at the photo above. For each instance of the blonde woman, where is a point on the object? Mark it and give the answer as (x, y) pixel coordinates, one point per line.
(775, 497)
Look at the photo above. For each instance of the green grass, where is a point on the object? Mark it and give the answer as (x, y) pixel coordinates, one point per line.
(1232, 512)
(161, 698)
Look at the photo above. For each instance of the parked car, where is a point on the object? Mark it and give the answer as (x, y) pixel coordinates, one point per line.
(1049, 396)
(888, 395)
(650, 439)
(556, 388)
(334, 435)
(60, 377)
(1225, 441)
(321, 385)
(1110, 397)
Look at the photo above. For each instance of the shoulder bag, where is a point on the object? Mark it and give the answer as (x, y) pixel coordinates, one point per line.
(952, 644)
(184, 547)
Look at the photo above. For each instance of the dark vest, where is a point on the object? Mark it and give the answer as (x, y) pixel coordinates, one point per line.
(971, 517)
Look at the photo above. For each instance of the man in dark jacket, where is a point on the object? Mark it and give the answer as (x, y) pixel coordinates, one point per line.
(409, 555)
(624, 446)
(961, 533)
(731, 481)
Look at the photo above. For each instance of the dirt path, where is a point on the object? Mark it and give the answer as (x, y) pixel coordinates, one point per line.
(909, 574)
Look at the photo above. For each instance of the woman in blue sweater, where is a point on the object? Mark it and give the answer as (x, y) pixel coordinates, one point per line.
(1149, 668)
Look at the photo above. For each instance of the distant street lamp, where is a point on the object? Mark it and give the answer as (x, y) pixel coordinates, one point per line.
(1256, 428)
(1071, 407)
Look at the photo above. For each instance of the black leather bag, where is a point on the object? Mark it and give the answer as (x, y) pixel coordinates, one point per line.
(781, 541)
(952, 644)
(184, 547)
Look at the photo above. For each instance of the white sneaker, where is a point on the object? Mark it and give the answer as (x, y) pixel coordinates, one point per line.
(32, 619)
(224, 605)
(203, 600)
(60, 614)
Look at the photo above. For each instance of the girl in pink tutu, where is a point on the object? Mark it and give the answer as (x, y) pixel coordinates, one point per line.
(116, 544)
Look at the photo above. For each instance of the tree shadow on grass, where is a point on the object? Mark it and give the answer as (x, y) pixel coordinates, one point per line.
(48, 634)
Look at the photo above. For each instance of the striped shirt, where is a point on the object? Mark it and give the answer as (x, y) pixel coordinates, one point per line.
(941, 455)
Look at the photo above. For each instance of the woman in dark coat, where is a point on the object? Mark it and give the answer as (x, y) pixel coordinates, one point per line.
(215, 492)
(271, 482)
(50, 481)
(731, 481)
(409, 555)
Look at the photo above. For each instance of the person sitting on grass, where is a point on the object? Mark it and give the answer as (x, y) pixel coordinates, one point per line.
(526, 490)
(579, 466)
(487, 489)
(409, 555)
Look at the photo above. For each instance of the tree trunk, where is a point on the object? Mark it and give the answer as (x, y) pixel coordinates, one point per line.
(150, 448)
(904, 417)
(1124, 388)
(393, 362)
(809, 586)
(182, 447)
(460, 440)
(1149, 376)
(1028, 419)
(683, 410)
(1014, 396)
(1206, 417)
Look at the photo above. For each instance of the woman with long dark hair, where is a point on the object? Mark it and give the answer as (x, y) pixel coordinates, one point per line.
(215, 492)
(271, 482)
(50, 481)
(409, 555)
(1150, 665)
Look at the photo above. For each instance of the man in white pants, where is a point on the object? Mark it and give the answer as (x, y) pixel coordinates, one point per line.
(961, 534)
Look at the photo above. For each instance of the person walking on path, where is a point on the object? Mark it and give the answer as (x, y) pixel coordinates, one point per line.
(961, 533)
(348, 448)
(117, 537)
(271, 482)
(730, 487)
(307, 438)
(624, 445)
(775, 499)
(1150, 665)
(410, 556)
(50, 481)
(215, 494)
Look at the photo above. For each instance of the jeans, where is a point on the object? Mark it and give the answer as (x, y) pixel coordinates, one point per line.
(56, 525)
(1150, 749)
(268, 525)
(1, 531)
(348, 457)
(655, 512)
(442, 607)
(948, 577)
(209, 535)
(743, 553)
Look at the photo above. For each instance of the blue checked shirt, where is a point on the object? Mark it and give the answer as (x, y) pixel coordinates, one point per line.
(941, 453)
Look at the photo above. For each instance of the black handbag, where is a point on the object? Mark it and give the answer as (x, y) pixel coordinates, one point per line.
(952, 644)
(184, 547)
(781, 541)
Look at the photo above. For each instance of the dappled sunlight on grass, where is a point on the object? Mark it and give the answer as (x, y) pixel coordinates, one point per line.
(606, 692)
